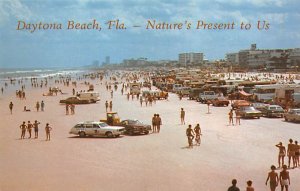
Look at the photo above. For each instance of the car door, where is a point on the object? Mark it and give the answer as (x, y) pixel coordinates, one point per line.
(89, 129)
(97, 130)
(101, 130)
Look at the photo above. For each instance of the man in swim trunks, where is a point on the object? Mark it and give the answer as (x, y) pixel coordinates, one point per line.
(23, 129)
(273, 177)
(297, 153)
(282, 153)
(36, 129)
(284, 178)
(29, 128)
(291, 152)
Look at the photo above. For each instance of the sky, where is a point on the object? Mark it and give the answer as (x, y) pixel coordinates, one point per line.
(67, 48)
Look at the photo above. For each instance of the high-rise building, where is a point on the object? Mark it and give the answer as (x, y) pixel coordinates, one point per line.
(190, 58)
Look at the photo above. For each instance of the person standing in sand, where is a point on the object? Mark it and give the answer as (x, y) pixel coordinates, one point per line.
(273, 177)
(284, 178)
(230, 115)
(11, 105)
(291, 152)
(36, 129)
(106, 105)
(158, 123)
(282, 153)
(154, 130)
(110, 105)
(37, 106)
(237, 117)
(182, 115)
(42, 106)
(297, 153)
(23, 128)
(48, 130)
(67, 109)
(29, 129)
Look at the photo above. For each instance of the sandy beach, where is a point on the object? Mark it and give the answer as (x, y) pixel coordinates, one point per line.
(147, 162)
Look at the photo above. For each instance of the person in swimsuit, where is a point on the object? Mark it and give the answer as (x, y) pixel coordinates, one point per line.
(297, 153)
(23, 129)
(249, 186)
(182, 115)
(11, 105)
(230, 115)
(190, 135)
(233, 187)
(197, 131)
(48, 129)
(282, 153)
(273, 177)
(284, 178)
(29, 128)
(154, 125)
(36, 129)
(291, 152)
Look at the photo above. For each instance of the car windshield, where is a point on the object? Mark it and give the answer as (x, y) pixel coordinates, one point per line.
(249, 108)
(103, 125)
(137, 122)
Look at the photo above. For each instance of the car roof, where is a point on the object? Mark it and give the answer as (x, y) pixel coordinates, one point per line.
(90, 122)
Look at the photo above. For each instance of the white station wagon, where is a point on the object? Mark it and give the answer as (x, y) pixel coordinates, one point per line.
(96, 129)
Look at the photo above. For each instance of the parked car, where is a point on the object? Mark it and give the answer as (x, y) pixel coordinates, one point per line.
(240, 103)
(207, 95)
(259, 106)
(249, 112)
(273, 111)
(292, 115)
(96, 129)
(135, 127)
(220, 101)
(74, 100)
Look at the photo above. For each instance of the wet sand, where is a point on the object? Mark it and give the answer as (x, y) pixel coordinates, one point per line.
(152, 162)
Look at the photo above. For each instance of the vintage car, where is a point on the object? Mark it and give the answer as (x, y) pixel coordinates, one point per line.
(259, 106)
(273, 111)
(292, 115)
(240, 103)
(96, 129)
(249, 112)
(220, 101)
(135, 127)
(74, 100)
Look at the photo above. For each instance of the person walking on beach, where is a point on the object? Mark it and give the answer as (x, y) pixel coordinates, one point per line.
(67, 109)
(110, 105)
(29, 128)
(106, 105)
(233, 187)
(112, 94)
(158, 123)
(197, 131)
(284, 178)
(37, 106)
(190, 135)
(36, 129)
(182, 115)
(23, 128)
(281, 155)
(154, 130)
(291, 153)
(237, 117)
(249, 186)
(141, 101)
(11, 105)
(72, 108)
(42, 106)
(273, 177)
(48, 130)
(230, 114)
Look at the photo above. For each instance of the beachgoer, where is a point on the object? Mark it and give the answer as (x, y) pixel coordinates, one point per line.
(110, 105)
(42, 106)
(154, 124)
(23, 128)
(249, 186)
(291, 152)
(237, 117)
(11, 105)
(197, 131)
(72, 108)
(282, 153)
(67, 109)
(230, 114)
(36, 129)
(190, 135)
(182, 115)
(29, 128)
(284, 178)
(297, 153)
(233, 187)
(141, 101)
(158, 122)
(48, 130)
(273, 177)
(37, 106)
(106, 105)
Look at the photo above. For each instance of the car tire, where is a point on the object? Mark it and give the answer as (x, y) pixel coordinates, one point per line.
(286, 119)
(81, 134)
(109, 134)
(146, 132)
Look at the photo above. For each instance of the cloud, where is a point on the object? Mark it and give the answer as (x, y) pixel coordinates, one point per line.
(13, 8)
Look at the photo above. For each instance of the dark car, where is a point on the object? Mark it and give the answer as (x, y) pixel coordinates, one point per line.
(249, 112)
(74, 100)
(135, 127)
(220, 101)
(273, 111)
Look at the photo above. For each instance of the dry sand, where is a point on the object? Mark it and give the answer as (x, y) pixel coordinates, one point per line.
(152, 162)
